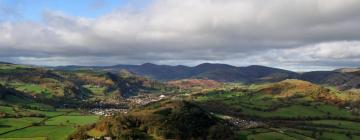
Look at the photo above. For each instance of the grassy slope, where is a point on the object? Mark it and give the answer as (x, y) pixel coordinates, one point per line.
(72, 120)
(55, 128)
(293, 102)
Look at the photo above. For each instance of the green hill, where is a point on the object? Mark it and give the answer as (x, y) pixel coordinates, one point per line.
(161, 120)
(57, 88)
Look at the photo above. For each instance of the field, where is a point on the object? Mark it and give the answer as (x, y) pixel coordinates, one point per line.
(294, 117)
(52, 132)
(53, 125)
(71, 120)
(95, 89)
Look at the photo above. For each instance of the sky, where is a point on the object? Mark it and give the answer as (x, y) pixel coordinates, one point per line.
(298, 35)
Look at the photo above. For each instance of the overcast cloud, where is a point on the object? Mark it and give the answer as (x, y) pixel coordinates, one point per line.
(292, 34)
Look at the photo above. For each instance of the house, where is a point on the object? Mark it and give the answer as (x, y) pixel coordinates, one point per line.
(162, 96)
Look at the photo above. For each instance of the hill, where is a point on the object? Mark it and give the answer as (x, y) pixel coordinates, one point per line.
(343, 81)
(55, 87)
(347, 70)
(290, 109)
(194, 83)
(218, 72)
(161, 120)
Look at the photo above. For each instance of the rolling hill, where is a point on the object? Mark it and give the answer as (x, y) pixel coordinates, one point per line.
(25, 84)
(343, 79)
(218, 72)
(161, 120)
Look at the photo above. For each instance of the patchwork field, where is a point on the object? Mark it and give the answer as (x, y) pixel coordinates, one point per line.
(52, 125)
(294, 117)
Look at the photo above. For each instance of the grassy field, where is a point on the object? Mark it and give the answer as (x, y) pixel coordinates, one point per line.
(31, 88)
(264, 105)
(95, 89)
(60, 124)
(7, 124)
(72, 120)
(52, 132)
(33, 138)
(288, 113)
(270, 136)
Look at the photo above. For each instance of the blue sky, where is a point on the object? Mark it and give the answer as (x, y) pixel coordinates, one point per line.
(33, 9)
(297, 34)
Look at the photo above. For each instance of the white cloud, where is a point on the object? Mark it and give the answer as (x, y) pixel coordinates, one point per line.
(188, 31)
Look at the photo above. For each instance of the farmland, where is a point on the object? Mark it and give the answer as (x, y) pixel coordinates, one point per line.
(54, 125)
(295, 116)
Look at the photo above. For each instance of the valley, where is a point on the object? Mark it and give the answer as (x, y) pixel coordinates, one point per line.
(82, 103)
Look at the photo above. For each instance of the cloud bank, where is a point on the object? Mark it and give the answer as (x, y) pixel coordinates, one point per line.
(296, 34)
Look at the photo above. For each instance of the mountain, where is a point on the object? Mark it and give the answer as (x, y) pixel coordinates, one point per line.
(347, 70)
(341, 80)
(25, 84)
(218, 72)
(4, 63)
(345, 78)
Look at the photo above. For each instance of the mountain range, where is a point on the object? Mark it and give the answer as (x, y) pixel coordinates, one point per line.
(345, 78)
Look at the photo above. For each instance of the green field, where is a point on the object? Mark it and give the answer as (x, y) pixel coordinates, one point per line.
(52, 132)
(72, 120)
(32, 138)
(270, 136)
(95, 89)
(31, 88)
(294, 112)
(8, 124)
(263, 105)
(57, 125)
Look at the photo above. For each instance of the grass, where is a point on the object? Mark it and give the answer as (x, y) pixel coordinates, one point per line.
(14, 100)
(56, 128)
(270, 136)
(340, 124)
(266, 105)
(31, 88)
(7, 110)
(33, 138)
(72, 120)
(17, 111)
(51, 132)
(95, 89)
(95, 133)
(49, 113)
(291, 111)
(8, 124)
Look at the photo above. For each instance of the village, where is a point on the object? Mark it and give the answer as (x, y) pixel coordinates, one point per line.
(137, 101)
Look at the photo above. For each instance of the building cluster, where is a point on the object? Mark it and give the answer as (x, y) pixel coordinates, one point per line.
(105, 138)
(145, 99)
(246, 123)
(107, 111)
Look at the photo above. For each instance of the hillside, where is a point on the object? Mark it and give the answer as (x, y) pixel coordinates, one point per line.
(290, 109)
(218, 72)
(56, 87)
(347, 70)
(343, 79)
(194, 84)
(162, 120)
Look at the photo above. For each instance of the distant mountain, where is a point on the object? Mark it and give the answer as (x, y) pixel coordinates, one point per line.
(218, 72)
(347, 70)
(341, 80)
(345, 78)
(4, 62)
